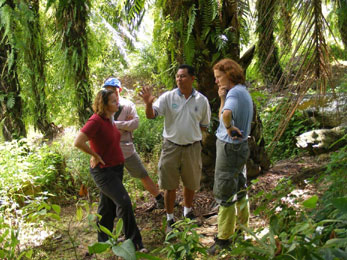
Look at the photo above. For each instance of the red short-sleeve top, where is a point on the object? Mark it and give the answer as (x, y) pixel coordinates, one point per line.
(104, 139)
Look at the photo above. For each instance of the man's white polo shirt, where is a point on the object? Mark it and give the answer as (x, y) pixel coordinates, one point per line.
(183, 117)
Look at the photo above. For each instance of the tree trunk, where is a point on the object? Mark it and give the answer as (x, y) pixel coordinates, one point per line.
(267, 51)
(35, 59)
(286, 36)
(72, 17)
(258, 161)
(10, 100)
(342, 21)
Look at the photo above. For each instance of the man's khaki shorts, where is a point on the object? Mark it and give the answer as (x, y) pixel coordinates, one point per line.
(180, 162)
(135, 167)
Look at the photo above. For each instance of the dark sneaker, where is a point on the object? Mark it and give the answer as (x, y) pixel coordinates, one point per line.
(190, 215)
(169, 226)
(88, 255)
(218, 246)
(159, 204)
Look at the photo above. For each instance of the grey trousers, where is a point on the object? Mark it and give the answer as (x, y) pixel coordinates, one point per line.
(230, 180)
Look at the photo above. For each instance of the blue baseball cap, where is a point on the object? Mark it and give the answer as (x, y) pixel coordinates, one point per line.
(113, 82)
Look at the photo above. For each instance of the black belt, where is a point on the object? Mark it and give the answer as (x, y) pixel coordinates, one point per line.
(183, 145)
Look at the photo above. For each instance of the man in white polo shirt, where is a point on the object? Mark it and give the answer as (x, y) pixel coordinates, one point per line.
(186, 112)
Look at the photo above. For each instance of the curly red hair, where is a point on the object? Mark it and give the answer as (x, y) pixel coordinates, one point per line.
(233, 70)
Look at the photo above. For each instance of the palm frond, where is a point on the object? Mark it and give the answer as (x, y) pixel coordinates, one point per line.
(191, 21)
(209, 11)
(309, 65)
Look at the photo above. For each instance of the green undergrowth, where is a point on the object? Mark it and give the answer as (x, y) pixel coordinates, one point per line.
(286, 147)
(148, 136)
(36, 176)
(315, 228)
(27, 170)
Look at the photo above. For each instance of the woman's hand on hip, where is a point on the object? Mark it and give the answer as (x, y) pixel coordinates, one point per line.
(95, 160)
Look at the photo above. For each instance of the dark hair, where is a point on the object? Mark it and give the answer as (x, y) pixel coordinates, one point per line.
(232, 69)
(190, 69)
(101, 100)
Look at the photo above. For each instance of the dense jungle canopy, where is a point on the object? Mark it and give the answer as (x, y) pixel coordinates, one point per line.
(55, 54)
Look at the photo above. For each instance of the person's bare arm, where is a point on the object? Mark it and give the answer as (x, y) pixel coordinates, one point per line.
(81, 143)
(148, 99)
(226, 117)
(222, 93)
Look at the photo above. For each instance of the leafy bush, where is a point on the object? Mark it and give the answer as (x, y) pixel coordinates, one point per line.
(13, 228)
(124, 249)
(148, 136)
(28, 169)
(9, 242)
(313, 229)
(286, 146)
(77, 164)
(188, 245)
(338, 52)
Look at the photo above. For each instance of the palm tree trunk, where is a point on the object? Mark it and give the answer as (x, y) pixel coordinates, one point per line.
(267, 50)
(342, 21)
(35, 60)
(10, 101)
(72, 17)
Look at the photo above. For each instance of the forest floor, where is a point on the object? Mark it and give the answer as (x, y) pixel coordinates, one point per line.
(71, 240)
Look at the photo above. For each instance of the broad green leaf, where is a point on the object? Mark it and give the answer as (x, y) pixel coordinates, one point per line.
(292, 247)
(180, 248)
(87, 208)
(311, 202)
(106, 231)
(301, 227)
(125, 250)
(336, 242)
(340, 204)
(332, 253)
(79, 214)
(29, 254)
(98, 247)
(119, 227)
(56, 208)
(191, 21)
(54, 216)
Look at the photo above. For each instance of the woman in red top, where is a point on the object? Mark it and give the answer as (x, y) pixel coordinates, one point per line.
(107, 165)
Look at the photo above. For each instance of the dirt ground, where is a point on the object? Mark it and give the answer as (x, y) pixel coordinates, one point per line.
(73, 237)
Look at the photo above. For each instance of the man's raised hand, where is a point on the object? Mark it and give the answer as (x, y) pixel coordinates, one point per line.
(146, 95)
